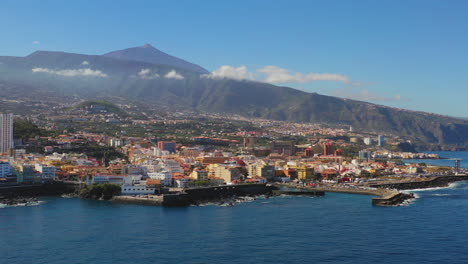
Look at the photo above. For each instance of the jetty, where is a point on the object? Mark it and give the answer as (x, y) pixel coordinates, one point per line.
(385, 197)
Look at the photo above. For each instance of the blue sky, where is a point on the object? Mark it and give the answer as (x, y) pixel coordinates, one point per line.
(407, 54)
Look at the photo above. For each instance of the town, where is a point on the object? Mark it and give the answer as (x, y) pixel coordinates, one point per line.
(98, 143)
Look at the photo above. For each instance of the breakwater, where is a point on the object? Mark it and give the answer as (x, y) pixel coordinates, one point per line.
(441, 181)
(392, 199)
(386, 197)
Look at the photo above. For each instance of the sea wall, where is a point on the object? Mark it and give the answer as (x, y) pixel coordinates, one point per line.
(441, 181)
(197, 195)
(45, 189)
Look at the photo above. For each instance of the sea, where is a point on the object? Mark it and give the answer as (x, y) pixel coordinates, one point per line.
(335, 228)
(448, 159)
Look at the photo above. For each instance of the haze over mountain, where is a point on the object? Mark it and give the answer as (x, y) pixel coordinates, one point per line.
(150, 54)
(133, 75)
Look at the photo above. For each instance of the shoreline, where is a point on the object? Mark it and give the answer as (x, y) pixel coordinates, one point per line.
(387, 194)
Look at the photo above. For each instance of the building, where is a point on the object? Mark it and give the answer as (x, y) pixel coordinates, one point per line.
(283, 147)
(167, 145)
(206, 160)
(381, 141)
(132, 170)
(172, 166)
(339, 152)
(305, 173)
(261, 170)
(200, 175)
(227, 173)
(47, 172)
(27, 173)
(328, 149)
(117, 142)
(249, 142)
(164, 176)
(368, 141)
(6, 132)
(101, 179)
(5, 169)
(136, 187)
(181, 181)
(364, 155)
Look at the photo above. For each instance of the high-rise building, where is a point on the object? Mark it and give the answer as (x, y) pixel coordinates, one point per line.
(328, 149)
(364, 155)
(368, 141)
(381, 141)
(283, 147)
(167, 145)
(249, 142)
(6, 132)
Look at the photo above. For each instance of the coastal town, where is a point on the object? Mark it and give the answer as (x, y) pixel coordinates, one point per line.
(178, 152)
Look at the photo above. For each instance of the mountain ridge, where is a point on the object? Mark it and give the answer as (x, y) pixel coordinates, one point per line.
(67, 74)
(148, 53)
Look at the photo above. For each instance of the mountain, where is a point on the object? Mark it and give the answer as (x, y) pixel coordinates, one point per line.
(88, 76)
(150, 54)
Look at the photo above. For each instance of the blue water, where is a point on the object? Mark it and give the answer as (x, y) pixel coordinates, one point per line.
(463, 155)
(336, 228)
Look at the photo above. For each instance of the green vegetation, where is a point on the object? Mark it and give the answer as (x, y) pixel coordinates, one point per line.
(97, 151)
(108, 106)
(25, 129)
(100, 191)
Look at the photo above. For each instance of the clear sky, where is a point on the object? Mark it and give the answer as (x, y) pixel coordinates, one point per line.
(407, 54)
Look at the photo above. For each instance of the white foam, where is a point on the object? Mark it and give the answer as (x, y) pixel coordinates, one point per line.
(22, 204)
(452, 185)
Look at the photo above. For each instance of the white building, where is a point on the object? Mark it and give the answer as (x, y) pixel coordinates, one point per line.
(368, 141)
(164, 176)
(6, 132)
(137, 189)
(115, 179)
(133, 185)
(182, 182)
(172, 166)
(47, 172)
(381, 141)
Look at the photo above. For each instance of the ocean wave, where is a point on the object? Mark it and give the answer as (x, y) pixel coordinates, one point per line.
(22, 204)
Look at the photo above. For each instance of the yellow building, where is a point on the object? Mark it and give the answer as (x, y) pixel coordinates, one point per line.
(305, 173)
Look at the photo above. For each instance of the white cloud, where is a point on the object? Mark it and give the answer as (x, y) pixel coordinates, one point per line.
(72, 72)
(226, 71)
(276, 74)
(36, 42)
(147, 74)
(173, 75)
(366, 95)
(85, 63)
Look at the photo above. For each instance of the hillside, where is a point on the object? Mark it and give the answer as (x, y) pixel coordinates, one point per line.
(99, 106)
(91, 76)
